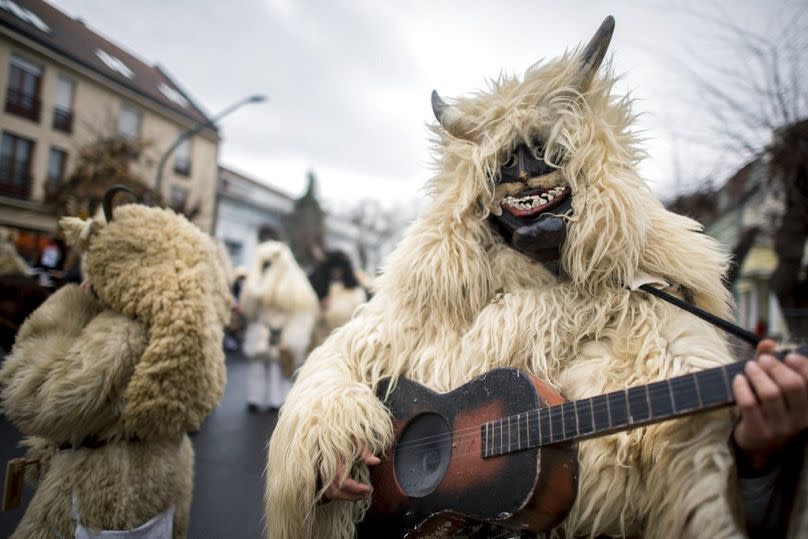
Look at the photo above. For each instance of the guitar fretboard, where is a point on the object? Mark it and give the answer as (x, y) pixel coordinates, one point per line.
(611, 412)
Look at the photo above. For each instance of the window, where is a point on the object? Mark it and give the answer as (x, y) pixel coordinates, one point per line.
(129, 122)
(57, 159)
(22, 93)
(15, 164)
(179, 196)
(24, 15)
(235, 249)
(182, 158)
(63, 105)
(114, 64)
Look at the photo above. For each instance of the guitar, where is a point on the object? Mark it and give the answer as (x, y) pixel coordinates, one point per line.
(498, 451)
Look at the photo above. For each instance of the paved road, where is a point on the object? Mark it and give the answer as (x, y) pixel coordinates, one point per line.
(229, 470)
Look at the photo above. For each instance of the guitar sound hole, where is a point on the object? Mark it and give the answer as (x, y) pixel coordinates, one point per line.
(422, 454)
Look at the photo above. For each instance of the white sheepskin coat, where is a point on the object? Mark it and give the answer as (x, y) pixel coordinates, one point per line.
(454, 301)
(277, 294)
(135, 366)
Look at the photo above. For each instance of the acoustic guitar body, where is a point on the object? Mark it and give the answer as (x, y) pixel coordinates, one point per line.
(434, 481)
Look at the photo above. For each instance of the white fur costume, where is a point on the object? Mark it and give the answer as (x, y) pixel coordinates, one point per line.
(456, 301)
(276, 295)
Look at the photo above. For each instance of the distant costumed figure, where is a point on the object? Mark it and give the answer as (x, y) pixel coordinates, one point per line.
(11, 263)
(106, 380)
(281, 309)
(20, 290)
(539, 225)
(339, 291)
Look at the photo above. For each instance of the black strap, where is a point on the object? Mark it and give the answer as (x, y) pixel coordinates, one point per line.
(729, 327)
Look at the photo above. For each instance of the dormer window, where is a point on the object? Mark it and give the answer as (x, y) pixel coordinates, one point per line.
(173, 95)
(114, 64)
(25, 14)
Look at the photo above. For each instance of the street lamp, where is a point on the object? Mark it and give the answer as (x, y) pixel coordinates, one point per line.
(185, 135)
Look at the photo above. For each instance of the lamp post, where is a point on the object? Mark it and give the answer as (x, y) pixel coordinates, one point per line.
(185, 135)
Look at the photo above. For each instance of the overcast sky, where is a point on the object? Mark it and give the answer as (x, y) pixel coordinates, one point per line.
(349, 82)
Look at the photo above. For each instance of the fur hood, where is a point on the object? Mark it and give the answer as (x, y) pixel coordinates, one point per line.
(276, 282)
(156, 268)
(617, 230)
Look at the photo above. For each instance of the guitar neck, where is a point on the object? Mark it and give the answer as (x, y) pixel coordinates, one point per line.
(612, 412)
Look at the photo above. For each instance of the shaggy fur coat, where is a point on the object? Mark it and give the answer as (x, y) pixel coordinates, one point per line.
(131, 369)
(456, 301)
(277, 294)
(11, 263)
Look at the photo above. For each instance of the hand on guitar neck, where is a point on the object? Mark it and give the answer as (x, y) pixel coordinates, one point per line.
(773, 400)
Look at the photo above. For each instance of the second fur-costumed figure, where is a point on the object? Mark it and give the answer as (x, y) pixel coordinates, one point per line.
(107, 380)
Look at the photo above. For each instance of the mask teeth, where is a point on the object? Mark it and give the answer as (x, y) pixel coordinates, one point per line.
(496, 210)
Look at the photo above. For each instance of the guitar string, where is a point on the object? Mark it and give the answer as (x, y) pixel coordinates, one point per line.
(459, 436)
(653, 392)
(464, 433)
(477, 451)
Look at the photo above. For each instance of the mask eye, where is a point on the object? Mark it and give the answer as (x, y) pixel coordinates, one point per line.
(265, 266)
(508, 172)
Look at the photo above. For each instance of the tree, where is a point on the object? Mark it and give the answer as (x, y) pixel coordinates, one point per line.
(760, 87)
(100, 165)
(756, 109)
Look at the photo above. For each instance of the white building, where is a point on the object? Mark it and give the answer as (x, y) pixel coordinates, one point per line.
(245, 205)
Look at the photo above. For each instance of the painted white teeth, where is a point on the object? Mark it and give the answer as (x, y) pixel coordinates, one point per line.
(531, 201)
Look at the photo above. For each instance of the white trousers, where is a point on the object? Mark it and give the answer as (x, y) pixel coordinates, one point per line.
(267, 386)
(159, 527)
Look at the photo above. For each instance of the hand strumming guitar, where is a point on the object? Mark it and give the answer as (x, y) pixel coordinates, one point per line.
(773, 399)
(347, 489)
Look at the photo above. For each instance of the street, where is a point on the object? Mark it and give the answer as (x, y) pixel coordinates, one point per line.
(230, 451)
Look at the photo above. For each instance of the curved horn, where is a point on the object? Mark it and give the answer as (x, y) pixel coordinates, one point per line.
(595, 52)
(448, 117)
(109, 198)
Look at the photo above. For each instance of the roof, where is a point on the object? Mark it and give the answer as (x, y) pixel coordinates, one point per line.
(72, 39)
(225, 173)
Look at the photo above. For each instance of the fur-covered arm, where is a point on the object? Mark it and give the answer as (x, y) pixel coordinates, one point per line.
(65, 313)
(72, 359)
(328, 417)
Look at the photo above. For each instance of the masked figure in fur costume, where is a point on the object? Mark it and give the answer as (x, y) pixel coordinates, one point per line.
(106, 379)
(281, 309)
(338, 289)
(538, 223)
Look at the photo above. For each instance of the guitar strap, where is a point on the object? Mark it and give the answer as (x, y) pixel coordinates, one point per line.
(710, 318)
(725, 325)
(654, 285)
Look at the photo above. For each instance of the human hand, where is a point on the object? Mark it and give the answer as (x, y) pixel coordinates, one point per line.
(773, 399)
(347, 489)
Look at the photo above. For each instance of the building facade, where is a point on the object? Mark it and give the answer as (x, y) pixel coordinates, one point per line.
(63, 87)
(245, 205)
(744, 214)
